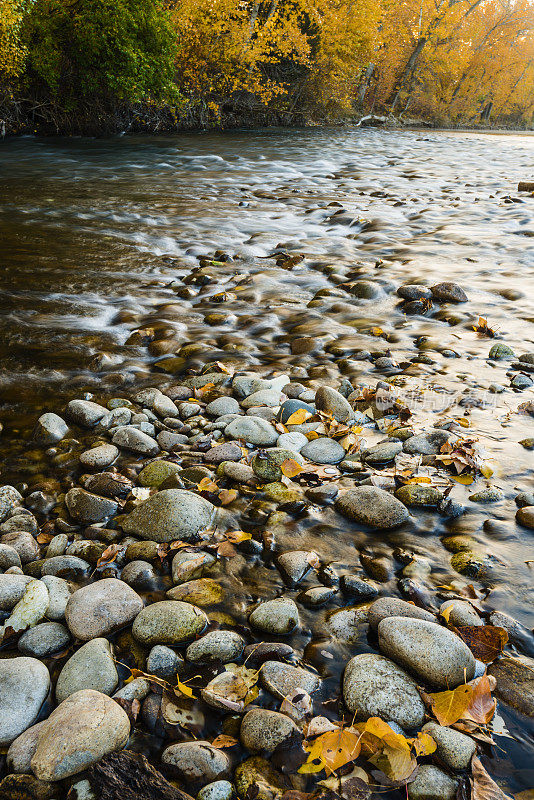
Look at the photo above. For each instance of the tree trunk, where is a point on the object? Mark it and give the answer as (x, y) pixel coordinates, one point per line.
(393, 99)
(129, 776)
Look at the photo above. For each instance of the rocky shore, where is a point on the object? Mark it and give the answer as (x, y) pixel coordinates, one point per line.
(163, 594)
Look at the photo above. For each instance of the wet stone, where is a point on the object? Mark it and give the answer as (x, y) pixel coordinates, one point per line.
(164, 662)
(374, 686)
(323, 451)
(90, 667)
(229, 451)
(431, 783)
(24, 686)
(169, 622)
(99, 457)
(448, 292)
(86, 507)
(197, 761)
(525, 516)
(276, 617)
(135, 440)
(10, 498)
(455, 749)
(263, 730)
(85, 412)
(50, 429)
(201, 592)
(419, 494)
(515, 682)
(101, 608)
(218, 790)
(332, 402)
(43, 640)
(258, 775)
(282, 680)
(169, 515)
(372, 506)
(356, 587)
(225, 646)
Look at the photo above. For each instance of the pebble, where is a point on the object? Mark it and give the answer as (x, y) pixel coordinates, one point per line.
(323, 451)
(50, 429)
(419, 495)
(169, 622)
(218, 790)
(224, 646)
(282, 680)
(69, 567)
(255, 430)
(101, 608)
(59, 592)
(460, 613)
(197, 761)
(85, 412)
(99, 457)
(426, 444)
(187, 565)
(277, 617)
(381, 453)
(9, 557)
(43, 640)
(296, 564)
(24, 543)
(448, 292)
(263, 730)
(292, 441)
(87, 507)
(431, 783)
(229, 451)
(12, 588)
(374, 686)
(9, 500)
(222, 406)
(430, 651)
(169, 515)
(135, 440)
(164, 662)
(332, 402)
(455, 749)
(372, 506)
(90, 667)
(24, 686)
(79, 732)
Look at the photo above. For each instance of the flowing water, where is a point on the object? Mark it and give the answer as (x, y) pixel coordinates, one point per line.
(97, 236)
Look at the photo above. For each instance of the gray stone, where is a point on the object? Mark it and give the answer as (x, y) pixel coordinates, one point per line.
(323, 451)
(156, 472)
(455, 749)
(50, 429)
(101, 608)
(292, 441)
(43, 640)
(431, 783)
(82, 730)
(221, 406)
(169, 622)
(225, 646)
(164, 406)
(9, 557)
(426, 444)
(59, 592)
(137, 689)
(349, 624)
(70, 567)
(57, 545)
(296, 564)
(24, 543)
(448, 292)
(372, 506)
(218, 790)
(169, 515)
(244, 385)
(87, 507)
(460, 613)
(430, 651)
(419, 495)
(135, 440)
(12, 587)
(240, 473)
(164, 662)
(265, 730)
(374, 686)
(139, 575)
(283, 680)
(229, 451)
(255, 430)
(168, 439)
(85, 412)
(24, 686)
(332, 402)
(381, 453)
(197, 761)
(90, 667)
(22, 749)
(265, 397)
(99, 457)
(10, 498)
(277, 617)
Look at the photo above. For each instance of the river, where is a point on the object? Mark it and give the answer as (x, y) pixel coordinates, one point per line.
(98, 234)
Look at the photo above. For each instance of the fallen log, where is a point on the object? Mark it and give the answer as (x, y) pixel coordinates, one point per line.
(525, 186)
(129, 776)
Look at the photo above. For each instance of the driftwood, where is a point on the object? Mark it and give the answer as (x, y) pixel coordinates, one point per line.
(129, 776)
(526, 186)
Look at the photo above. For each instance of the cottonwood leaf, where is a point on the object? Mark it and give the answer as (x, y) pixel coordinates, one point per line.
(298, 417)
(290, 468)
(222, 741)
(486, 642)
(227, 496)
(109, 555)
(332, 750)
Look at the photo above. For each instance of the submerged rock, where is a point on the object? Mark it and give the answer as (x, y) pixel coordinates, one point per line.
(170, 514)
(372, 506)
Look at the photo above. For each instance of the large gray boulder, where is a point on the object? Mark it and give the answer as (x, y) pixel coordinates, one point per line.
(169, 515)
(372, 506)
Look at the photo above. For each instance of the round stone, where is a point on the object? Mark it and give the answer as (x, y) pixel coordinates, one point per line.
(43, 640)
(169, 515)
(277, 617)
(225, 646)
(50, 429)
(156, 472)
(525, 516)
(254, 430)
(137, 441)
(169, 622)
(430, 651)
(332, 402)
(218, 790)
(372, 506)
(431, 783)
(265, 730)
(90, 667)
(374, 686)
(323, 451)
(419, 494)
(99, 457)
(82, 730)
(283, 680)
(455, 749)
(222, 406)
(197, 760)
(24, 686)
(101, 608)
(87, 507)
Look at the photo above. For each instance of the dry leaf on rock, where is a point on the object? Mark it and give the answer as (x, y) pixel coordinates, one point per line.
(486, 642)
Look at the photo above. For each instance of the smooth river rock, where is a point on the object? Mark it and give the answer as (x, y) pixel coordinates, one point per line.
(79, 732)
(277, 617)
(395, 607)
(372, 506)
(265, 730)
(430, 651)
(169, 622)
(169, 515)
(374, 686)
(87, 507)
(24, 686)
(455, 749)
(101, 608)
(90, 667)
(197, 761)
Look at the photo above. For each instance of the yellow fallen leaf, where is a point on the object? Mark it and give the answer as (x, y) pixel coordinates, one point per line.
(465, 480)
(298, 417)
(290, 468)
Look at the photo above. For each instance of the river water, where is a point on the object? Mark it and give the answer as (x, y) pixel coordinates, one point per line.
(97, 235)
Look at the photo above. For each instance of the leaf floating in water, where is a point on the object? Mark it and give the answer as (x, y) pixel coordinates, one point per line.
(468, 701)
(482, 786)
(486, 642)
